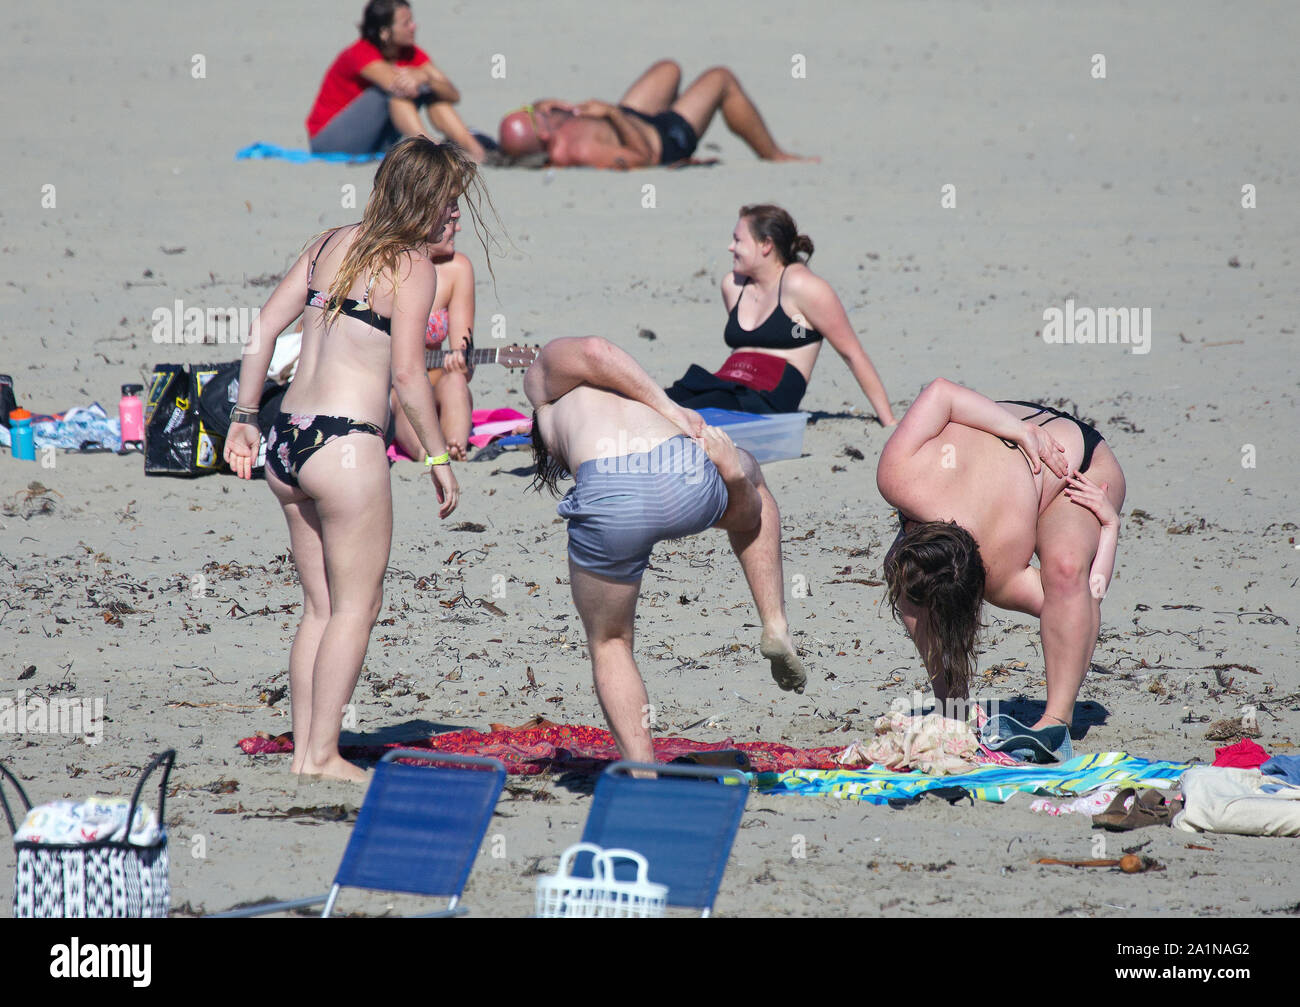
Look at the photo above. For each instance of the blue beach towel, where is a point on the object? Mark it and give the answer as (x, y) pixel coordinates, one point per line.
(1079, 775)
(262, 151)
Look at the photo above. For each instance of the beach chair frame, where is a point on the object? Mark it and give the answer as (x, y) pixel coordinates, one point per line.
(469, 839)
(617, 786)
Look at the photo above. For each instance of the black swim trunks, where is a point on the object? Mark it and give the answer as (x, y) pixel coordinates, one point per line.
(676, 136)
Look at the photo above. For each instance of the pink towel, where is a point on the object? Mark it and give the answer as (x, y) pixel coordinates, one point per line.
(488, 424)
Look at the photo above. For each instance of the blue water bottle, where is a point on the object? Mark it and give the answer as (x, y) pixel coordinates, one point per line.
(20, 435)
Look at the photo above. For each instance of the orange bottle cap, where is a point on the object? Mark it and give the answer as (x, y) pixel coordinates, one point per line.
(19, 414)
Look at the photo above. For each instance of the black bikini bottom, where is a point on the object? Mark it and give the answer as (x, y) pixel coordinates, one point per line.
(1091, 436)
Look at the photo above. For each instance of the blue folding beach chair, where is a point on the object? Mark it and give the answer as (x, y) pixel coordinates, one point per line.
(418, 831)
(682, 822)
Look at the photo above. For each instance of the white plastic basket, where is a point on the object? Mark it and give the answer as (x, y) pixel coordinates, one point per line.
(563, 895)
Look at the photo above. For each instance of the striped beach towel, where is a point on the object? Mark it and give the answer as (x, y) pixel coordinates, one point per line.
(1080, 775)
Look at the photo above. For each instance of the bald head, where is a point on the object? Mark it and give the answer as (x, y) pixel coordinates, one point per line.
(518, 135)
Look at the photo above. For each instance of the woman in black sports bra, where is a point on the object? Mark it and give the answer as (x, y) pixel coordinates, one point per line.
(326, 463)
(973, 515)
(779, 312)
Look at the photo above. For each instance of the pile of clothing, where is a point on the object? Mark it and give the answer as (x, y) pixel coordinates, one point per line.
(93, 820)
(1246, 793)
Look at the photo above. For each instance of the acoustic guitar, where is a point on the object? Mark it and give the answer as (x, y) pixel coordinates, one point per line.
(513, 356)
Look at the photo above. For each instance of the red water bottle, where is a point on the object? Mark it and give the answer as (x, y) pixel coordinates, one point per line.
(130, 413)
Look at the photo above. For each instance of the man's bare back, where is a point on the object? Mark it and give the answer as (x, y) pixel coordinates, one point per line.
(588, 423)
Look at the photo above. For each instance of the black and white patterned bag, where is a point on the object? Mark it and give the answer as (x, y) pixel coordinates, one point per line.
(94, 880)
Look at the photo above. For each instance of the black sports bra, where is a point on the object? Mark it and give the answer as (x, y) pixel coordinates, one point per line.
(360, 310)
(777, 331)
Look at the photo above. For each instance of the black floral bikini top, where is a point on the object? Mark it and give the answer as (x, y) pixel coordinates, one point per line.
(360, 310)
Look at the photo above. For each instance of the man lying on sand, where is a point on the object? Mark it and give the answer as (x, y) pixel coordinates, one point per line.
(980, 487)
(645, 470)
(650, 124)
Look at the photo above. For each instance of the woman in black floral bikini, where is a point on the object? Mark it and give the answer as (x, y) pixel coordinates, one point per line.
(367, 290)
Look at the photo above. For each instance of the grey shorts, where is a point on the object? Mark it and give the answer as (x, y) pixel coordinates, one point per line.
(362, 126)
(621, 506)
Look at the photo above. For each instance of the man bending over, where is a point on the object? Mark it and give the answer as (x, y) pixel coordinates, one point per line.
(645, 469)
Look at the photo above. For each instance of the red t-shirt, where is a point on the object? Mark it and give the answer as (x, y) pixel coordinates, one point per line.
(343, 80)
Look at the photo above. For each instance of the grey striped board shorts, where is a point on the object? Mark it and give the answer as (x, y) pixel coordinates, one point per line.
(620, 506)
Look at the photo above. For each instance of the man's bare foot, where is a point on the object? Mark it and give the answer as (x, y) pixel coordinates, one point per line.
(787, 669)
(337, 768)
(783, 156)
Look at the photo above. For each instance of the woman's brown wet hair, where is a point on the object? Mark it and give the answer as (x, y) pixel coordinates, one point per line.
(936, 566)
(771, 223)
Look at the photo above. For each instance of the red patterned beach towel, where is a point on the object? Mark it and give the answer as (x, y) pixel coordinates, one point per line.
(546, 746)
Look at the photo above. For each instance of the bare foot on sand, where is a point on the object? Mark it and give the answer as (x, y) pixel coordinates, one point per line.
(787, 669)
(783, 156)
(337, 768)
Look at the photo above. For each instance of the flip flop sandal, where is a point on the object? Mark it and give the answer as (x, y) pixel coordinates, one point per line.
(1116, 811)
(1149, 808)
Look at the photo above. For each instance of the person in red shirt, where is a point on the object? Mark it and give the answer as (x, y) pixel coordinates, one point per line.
(373, 92)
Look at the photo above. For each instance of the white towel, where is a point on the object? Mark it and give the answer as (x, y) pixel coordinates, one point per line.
(1223, 799)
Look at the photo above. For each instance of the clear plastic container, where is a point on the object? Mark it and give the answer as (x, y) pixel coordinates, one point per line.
(771, 438)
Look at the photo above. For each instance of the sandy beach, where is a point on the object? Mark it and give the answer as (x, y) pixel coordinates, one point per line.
(175, 601)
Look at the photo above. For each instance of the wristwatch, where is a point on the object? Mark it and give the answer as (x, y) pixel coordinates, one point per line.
(242, 414)
(442, 459)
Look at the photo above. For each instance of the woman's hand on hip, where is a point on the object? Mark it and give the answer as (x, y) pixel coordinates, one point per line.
(1041, 446)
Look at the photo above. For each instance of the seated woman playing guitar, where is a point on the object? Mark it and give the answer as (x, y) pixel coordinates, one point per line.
(451, 328)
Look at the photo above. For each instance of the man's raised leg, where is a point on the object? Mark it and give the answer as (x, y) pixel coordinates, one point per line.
(655, 89)
(718, 88)
(608, 611)
(753, 523)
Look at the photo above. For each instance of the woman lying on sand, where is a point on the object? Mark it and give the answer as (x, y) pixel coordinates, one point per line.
(779, 311)
(367, 288)
(980, 487)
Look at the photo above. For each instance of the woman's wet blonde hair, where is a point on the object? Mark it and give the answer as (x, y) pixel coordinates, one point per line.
(414, 185)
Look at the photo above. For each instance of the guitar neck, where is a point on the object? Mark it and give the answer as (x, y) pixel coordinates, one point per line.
(433, 358)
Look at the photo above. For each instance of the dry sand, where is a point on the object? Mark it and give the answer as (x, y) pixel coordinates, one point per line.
(1118, 192)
